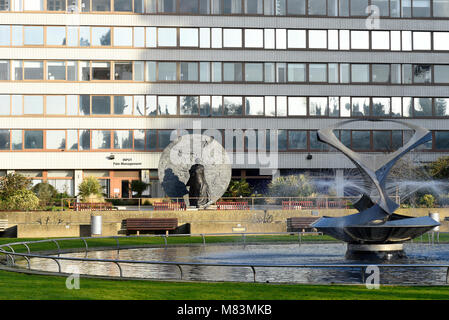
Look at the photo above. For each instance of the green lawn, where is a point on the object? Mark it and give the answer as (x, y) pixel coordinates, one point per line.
(36, 287)
(25, 287)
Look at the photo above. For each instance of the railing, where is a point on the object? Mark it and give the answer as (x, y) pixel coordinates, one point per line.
(12, 254)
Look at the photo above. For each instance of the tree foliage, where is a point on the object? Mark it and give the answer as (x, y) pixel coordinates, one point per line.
(90, 190)
(439, 169)
(238, 188)
(139, 187)
(291, 186)
(15, 193)
(45, 192)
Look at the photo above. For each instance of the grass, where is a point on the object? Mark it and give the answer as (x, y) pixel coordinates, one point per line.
(38, 287)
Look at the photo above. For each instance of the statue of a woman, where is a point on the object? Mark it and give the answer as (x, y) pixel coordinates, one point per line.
(199, 193)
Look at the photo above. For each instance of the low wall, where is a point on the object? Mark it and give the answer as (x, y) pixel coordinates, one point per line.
(77, 223)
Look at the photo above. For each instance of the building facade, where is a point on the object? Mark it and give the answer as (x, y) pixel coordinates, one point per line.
(101, 87)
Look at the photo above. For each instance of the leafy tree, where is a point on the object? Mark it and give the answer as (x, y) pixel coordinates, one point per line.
(427, 201)
(238, 188)
(22, 199)
(291, 186)
(439, 169)
(139, 187)
(45, 192)
(90, 190)
(11, 183)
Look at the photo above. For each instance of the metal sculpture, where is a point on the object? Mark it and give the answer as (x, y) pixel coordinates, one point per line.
(375, 223)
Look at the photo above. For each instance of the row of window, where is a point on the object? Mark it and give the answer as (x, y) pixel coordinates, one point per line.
(253, 72)
(333, 8)
(218, 106)
(239, 140)
(215, 38)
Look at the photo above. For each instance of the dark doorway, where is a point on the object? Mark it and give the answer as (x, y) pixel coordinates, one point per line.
(125, 188)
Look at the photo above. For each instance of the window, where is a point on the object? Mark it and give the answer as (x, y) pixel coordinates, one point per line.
(421, 41)
(139, 70)
(101, 139)
(360, 140)
(84, 139)
(56, 5)
(358, 7)
(33, 70)
(164, 138)
(5, 105)
(318, 106)
(72, 105)
(33, 5)
(441, 8)
(332, 73)
(150, 105)
(34, 139)
(360, 73)
(167, 71)
(56, 70)
(4, 139)
(123, 71)
(232, 106)
(101, 70)
(204, 37)
(382, 140)
(360, 107)
(360, 40)
(422, 107)
(317, 72)
(101, 105)
(56, 36)
(381, 73)
(16, 139)
(422, 73)
(101, 5)
(254, 106)
(296, 7)
(296, 72)
(441, 73)
(381, 107)
(297, 106)
(4, 70)
(442, 140)
(16, 105)
(217, 37)
(188, 6)
(123, 139)
(5, 36)
(33, 36)
(55, 139)
(123, 37)
(270, 72)
(269, 42)
(297, 140)
(167, 105)
(232, 72)
(296, 39)
(281, 35)
(188, 105)
(166, 37)
(254, 72)
(254, 38)
(139, 105)
(139, 37)
(204, 71)
(123, 5)
(55, 105)
(334, 106)
(101, 36)
(232, 38)
(383, 5)
(189, 71)
(139, 140)
(441, 40)
(253, 6)
(380, 40)
(317, 7)
(188, 37)
(84, 36)
(317, 39)
(123, 105)
(150, 37)
(216, 72)
(441, 107)
(84, 71)
(204, 105)
(232, 6)
(421, 8)
(17, 35)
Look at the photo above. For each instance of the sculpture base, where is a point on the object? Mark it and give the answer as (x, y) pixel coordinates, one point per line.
(382, 251)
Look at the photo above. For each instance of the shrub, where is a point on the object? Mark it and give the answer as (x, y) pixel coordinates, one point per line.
(427, 201)
(291, 186)
(90, 190)
(238, 188)
(139, 187)
(11, 183)
(45, 192)
(23, 200)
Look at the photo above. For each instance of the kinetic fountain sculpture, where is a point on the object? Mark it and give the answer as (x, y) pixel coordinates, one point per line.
(375, 229)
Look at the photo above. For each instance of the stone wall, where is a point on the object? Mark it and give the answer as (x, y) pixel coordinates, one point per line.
(73, 224)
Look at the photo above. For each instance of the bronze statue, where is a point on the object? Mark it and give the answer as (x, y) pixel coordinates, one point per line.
(199, 193)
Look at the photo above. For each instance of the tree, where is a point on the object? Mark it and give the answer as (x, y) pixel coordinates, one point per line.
(45, 192)
(238, 188)
(439, 169)
(90, 190)
(15, 193)
(139, 187)
(291, 186)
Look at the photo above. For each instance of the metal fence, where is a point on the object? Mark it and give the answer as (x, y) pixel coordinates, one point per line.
(224, 203)
(11, 256)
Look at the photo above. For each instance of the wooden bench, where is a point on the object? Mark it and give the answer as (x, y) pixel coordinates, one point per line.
(169, 206)
(300, 224)
(232, 205)
(3, 224)
(150, 224)
(94, 206)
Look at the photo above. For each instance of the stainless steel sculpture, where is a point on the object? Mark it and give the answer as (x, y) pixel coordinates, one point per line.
(375, 227)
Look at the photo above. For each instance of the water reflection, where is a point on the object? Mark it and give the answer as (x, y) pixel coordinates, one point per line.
(329, 253)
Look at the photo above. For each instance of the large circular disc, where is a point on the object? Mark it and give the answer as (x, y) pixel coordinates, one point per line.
(180, 155)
